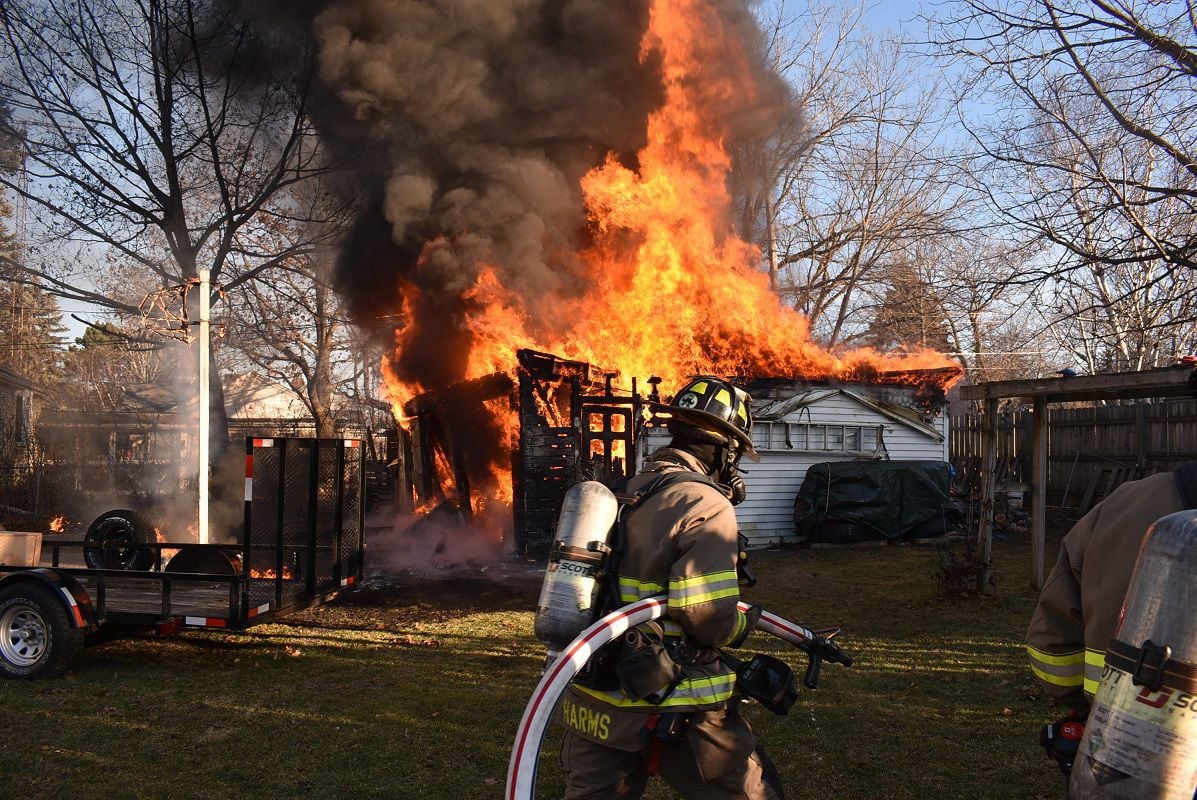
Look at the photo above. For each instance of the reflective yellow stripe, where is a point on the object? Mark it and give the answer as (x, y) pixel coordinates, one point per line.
(1057, 680)
(706, 597)
(1058, 659)
(714, 690)
(1058, 669)
(699, 388)
(722, 396)
(685, 592)
(700, 580)
(631, 590)
(1095, 665)
(741, 624)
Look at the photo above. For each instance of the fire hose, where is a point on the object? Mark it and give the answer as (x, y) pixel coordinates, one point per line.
(529, 736)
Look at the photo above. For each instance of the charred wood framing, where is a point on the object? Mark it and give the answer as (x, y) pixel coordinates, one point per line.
(573, 426)
(446, 422)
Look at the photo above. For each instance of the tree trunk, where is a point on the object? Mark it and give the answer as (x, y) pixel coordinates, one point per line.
(321, 393)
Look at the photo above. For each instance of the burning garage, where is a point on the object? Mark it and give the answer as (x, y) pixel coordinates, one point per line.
(565, 421)
(576, 198)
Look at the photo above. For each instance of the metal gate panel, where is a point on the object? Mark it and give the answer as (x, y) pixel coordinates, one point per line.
(304, 505)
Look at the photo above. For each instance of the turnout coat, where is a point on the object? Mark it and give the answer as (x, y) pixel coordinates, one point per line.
(1082, 601)
(681, 541)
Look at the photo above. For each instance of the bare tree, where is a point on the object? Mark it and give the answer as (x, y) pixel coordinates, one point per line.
(1117, 318)
(105, 363)
(864, 182)
(994, 324)
(291, 327)
(1101, 99)
(149, 144)
(1090, 146)
(30, 321)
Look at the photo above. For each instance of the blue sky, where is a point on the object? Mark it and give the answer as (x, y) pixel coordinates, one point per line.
(881, 14)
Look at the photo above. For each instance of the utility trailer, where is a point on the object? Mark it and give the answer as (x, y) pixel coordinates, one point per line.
(300, 543)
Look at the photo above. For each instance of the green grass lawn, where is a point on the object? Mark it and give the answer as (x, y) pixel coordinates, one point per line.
(414, 690)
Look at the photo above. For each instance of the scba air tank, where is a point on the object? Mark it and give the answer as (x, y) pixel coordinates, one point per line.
(1140, 739)
(571, 581)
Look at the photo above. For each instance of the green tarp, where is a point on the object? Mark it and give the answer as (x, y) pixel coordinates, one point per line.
(858, 500)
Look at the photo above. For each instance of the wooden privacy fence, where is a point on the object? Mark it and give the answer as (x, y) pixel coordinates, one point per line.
(1090, 450)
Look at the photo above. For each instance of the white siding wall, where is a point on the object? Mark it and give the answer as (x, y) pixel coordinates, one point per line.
(767, 516)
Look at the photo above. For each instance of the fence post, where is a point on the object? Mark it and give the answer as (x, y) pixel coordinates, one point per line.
(985, 534)
(1142, 434)
(1038, 493)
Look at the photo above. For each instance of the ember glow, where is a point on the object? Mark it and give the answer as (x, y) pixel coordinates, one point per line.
(270, 574)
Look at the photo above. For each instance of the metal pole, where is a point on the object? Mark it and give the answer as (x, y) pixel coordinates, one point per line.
(205, 390)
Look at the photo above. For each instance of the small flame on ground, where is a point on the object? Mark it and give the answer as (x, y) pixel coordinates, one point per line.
(58, 524)
(270, 574)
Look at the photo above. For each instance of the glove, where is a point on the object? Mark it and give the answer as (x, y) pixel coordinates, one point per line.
(739, 491)
(1062, 738)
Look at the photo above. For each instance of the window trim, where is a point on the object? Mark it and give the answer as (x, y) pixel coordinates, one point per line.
(819, 437)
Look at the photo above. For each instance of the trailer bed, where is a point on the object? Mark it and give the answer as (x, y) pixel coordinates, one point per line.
(301, 541)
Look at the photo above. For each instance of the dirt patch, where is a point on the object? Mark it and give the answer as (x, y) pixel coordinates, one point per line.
(406, 598)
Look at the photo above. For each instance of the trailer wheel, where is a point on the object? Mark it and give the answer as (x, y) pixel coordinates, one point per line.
(120, 530)
(36, 638)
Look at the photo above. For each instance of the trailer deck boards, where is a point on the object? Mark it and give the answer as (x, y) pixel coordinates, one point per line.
(145, 597)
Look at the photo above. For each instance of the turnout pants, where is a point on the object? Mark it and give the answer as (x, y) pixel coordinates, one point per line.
(718, 759)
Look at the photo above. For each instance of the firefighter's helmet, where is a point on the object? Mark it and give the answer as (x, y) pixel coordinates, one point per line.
(715, 407)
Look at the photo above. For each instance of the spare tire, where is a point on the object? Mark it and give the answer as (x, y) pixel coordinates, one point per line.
(201, 560)
(119, 532)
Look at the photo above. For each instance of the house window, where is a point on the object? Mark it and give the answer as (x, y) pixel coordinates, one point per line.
(819, 438)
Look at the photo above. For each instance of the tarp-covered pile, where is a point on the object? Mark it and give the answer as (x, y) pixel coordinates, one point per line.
(849, 501)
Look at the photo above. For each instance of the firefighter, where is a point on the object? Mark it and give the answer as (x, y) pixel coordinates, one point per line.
(1081, 602)
(672, 707)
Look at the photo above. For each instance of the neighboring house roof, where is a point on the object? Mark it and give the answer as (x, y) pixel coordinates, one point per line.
(246, 396)
(152, 397)
(250, 396)
(12, 380)
(779, 409)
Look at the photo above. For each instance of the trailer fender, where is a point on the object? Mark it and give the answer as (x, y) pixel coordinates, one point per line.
(74, 597)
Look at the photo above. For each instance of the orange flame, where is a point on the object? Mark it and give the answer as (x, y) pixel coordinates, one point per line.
(674, 292)
(58, 524)
(271, 574)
